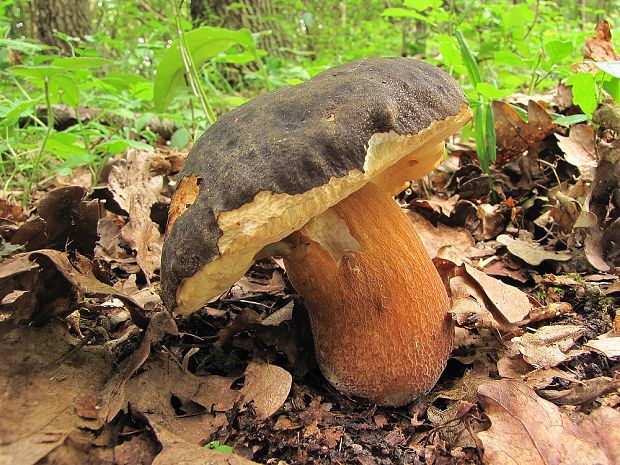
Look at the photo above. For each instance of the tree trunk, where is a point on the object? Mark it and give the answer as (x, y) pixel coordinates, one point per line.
(255, 15)
(72, 17)
(199, 12)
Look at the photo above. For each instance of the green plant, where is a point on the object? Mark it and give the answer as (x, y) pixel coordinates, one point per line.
(482, 105)
(217, 446)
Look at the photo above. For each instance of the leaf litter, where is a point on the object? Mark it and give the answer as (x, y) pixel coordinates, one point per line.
(96, 370)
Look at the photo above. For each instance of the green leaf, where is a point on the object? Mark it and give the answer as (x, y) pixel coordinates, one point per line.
(23, 46)
(142, 90)
(81, 62)
(490, 135)
(570, 120)
(120, 145)
(18, 110)
(469, 59)
(203, 44)
(491, 91)
(610, 67)
(479, 125)
(37, 72)
(180, 139)
(421, 5)
(557, 50)
(403, 13)
(612, 86)
(584, 91)
(66, 88)
(66, 146)
(216, 445)
(506, 57)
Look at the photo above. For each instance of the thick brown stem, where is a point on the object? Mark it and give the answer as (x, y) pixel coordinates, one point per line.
(379, 313)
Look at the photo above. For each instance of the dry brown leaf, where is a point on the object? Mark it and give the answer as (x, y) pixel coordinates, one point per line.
(529, 251)
(548, 346)
(528, 430)
(178, 451)
(600, 47)
(88, 285)
(579, 148)
(608, 344)
(440, 205)
(135, 190)
(515, 136)
(45, 397)
(267, 387)
(492, 219)
(159, 325)
(519, 369)
(513, 303)
(436, 237)
(583, 392)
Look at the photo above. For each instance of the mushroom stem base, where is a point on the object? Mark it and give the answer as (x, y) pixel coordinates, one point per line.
(379, 314)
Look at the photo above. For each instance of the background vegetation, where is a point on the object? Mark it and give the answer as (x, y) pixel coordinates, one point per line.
(153, 72)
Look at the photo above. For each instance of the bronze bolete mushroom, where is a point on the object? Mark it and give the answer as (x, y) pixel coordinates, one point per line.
(307, 173)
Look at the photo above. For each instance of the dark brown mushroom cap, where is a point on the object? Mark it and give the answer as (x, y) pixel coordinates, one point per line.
(296, 140)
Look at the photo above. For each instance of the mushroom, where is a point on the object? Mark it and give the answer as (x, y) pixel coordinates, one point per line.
(307, 173)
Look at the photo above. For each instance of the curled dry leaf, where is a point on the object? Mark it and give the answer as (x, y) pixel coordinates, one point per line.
(579, 148)
(528, 430)
(529, 251)
(480, 301)
(547, 347)
(582, 392)
(66, 222)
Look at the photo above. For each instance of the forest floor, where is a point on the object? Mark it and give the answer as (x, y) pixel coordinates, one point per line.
(96, 371)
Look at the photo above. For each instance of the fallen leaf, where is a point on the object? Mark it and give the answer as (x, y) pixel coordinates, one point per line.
(87, 284)
(600, 47)
(547, 347)
(135, 190)
(579, 148)
(514, 135)
(267, 387)
(528, 430)
(536, 378)
(529, 251)
(513, 303)
(608, 344)
(436, 237)
(45, 398)
(178, 451)
(492, 218)
(583, 392)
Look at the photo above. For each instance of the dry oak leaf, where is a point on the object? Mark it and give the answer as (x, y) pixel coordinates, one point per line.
(136, 190)
(528, 430)
(529, 251)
